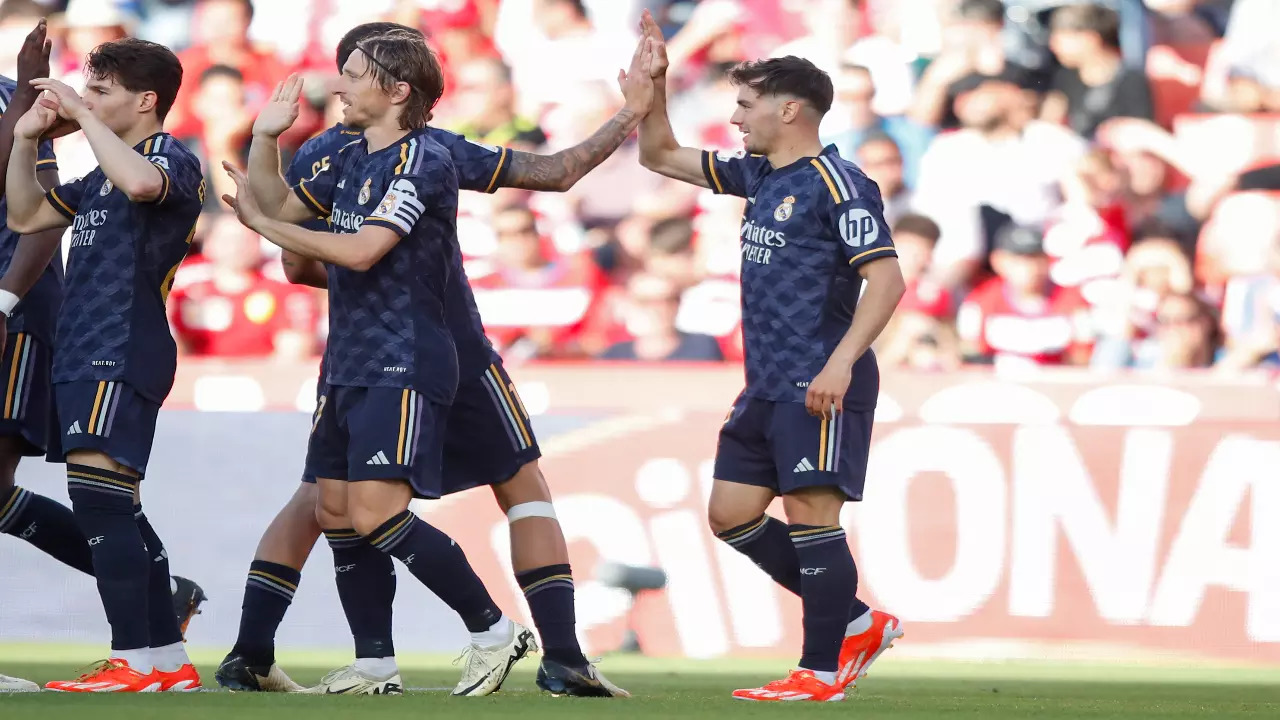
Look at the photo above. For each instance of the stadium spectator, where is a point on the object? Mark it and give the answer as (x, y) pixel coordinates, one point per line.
(1246, 74)
(973, 50)
(852, 121)
(222, 125)
(651, 307)
(921, 334)
(237, 311)
(1093, 84)
(567, 50)
(880, 158)
(533, 303)
(1124, 315)
(484, 107)
(1019, 318)
(1186, 336)
(1001, 163)
(221, 37)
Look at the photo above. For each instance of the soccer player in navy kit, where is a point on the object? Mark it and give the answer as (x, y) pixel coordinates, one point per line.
(391, 364)
(489, 440)
(813, 234)
(113, 357)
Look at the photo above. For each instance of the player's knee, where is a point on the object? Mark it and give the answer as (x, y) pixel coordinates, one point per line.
(331, 513)
(723, 516)
(527, 486)
(366, 520)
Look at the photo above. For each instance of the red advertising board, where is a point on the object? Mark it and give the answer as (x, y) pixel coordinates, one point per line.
(1064, 512)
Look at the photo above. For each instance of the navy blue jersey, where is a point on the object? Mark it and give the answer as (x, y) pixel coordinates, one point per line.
(807, 228)
(123, 256)
(482, 168)
(37, 313)
(315, 155)
(386, 325)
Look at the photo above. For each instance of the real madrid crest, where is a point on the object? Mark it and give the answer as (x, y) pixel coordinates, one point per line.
(107, 187)
(783, 211)
(365, 191)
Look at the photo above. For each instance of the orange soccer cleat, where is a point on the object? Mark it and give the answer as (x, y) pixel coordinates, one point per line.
(857, 652)
(184, 679)
(798, 686)
(109, 676)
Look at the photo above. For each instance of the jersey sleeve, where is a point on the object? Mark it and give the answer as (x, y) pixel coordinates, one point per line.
(732, 173)
(45, 159)
(432, 183)
(183, 176)
(857, 215)
(316, 190)
(480, 167)
(66, 197)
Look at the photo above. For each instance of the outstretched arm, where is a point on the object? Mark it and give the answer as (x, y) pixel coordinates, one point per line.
(560, 171)
(659, 150)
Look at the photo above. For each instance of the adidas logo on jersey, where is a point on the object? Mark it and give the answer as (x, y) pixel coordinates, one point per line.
(379, 459)
(74, 429)
(803, 466)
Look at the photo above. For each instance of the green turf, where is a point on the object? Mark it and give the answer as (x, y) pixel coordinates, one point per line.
(669, 689)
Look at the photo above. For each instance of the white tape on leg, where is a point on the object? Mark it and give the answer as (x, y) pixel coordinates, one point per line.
(531, 509)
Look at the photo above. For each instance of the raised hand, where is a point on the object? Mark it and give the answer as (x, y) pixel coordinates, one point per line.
(649, 28)
(33, 56)
(61, 97)
(280, 113)
(243, 202)
(636, 82)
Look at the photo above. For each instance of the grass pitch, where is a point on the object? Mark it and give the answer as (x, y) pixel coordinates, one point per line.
(677, 689)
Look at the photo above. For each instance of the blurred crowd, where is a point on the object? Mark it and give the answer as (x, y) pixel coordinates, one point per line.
(1069, 183)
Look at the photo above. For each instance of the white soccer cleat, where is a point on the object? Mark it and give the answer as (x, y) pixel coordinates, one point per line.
(277, 681)
(485, 669)
(351, 681)
(17, 685)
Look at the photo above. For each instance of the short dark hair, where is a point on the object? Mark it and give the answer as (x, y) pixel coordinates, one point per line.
(360, 33)
(672, 236)
(1103, 21)
(918, 225)
(987, 11)
(788, 75)
(217, 71)
(138, 66)
(401, 57)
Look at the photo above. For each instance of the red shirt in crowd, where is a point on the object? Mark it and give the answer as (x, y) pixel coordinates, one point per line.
(1044, 333)
(243, 324)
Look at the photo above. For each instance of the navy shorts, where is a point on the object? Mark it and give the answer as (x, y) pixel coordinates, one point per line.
(781, 446)
(488, 437)
(27, 411)
(107, 416)
(361, 433)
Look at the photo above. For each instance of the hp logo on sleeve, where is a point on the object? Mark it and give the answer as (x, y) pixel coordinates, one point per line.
(858, 228)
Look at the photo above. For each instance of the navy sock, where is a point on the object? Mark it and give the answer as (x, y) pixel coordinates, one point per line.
(439, 563)
(827, 585)
(103, 505)
(767, 541)
(549, 591)
(48, 525)
(161, 619)
(268, 591)
(367, 588)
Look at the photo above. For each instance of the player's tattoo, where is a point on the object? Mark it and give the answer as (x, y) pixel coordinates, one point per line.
(561, 170)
